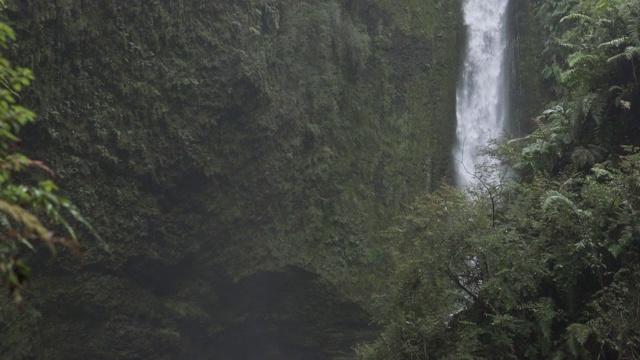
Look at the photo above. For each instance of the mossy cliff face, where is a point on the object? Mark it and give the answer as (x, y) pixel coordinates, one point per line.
(208, 140)
(529, 93)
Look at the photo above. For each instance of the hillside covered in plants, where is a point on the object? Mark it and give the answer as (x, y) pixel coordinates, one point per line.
(236, 157)
(272, 180)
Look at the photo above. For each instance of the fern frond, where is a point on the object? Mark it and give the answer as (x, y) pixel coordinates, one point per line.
(617, 58)
(552, 197)
(576, 16)
(632, 51)
(567, 45)
(628, 54)
(615, 88)
(583, 158)
(567, 76)
(29, 221)
(603, 21)
(633, 30)
(597, 107)
(548, 72)
(587, 103)
(625, 40)
(579, 58)
(580, 332)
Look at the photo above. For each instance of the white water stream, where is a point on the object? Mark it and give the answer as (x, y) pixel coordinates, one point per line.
(481, 99)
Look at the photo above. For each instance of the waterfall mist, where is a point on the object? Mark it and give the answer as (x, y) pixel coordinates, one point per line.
(481, 99)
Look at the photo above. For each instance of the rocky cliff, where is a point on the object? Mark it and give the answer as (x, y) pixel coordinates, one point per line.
(213, 142)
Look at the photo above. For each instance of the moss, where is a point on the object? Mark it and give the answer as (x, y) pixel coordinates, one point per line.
(204, 136)
(529, 92)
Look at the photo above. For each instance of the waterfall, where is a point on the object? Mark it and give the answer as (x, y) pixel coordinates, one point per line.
(481, 99)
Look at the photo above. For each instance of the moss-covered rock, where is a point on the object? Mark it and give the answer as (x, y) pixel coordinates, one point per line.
(529, 93)
(215, 139)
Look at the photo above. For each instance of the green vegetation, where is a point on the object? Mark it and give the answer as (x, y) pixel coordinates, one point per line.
(29, 214)
(544, 265)
(215, 144)
(209, 141)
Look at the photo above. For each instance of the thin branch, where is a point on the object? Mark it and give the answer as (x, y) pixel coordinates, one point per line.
(456, 281)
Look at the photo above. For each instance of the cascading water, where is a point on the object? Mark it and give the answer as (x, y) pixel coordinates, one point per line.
(481, 99)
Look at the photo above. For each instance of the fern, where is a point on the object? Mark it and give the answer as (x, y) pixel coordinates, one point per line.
(580, 59)
(582, 157)
(617, 58)
(633, 30)
(615, 43)
(598, 109)
(580, 332)
(552, 197)
(587, 103)
(576, 16)
(568, 76)
(567, 45)
(549, 72)
(628, 54)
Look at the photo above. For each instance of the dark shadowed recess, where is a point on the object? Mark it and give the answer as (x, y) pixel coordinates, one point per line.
(288, 315)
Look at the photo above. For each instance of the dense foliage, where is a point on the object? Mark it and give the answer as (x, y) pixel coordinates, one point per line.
(544, 265)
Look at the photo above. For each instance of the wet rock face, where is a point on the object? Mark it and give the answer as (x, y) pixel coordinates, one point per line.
(288, 315)
(207, 138)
